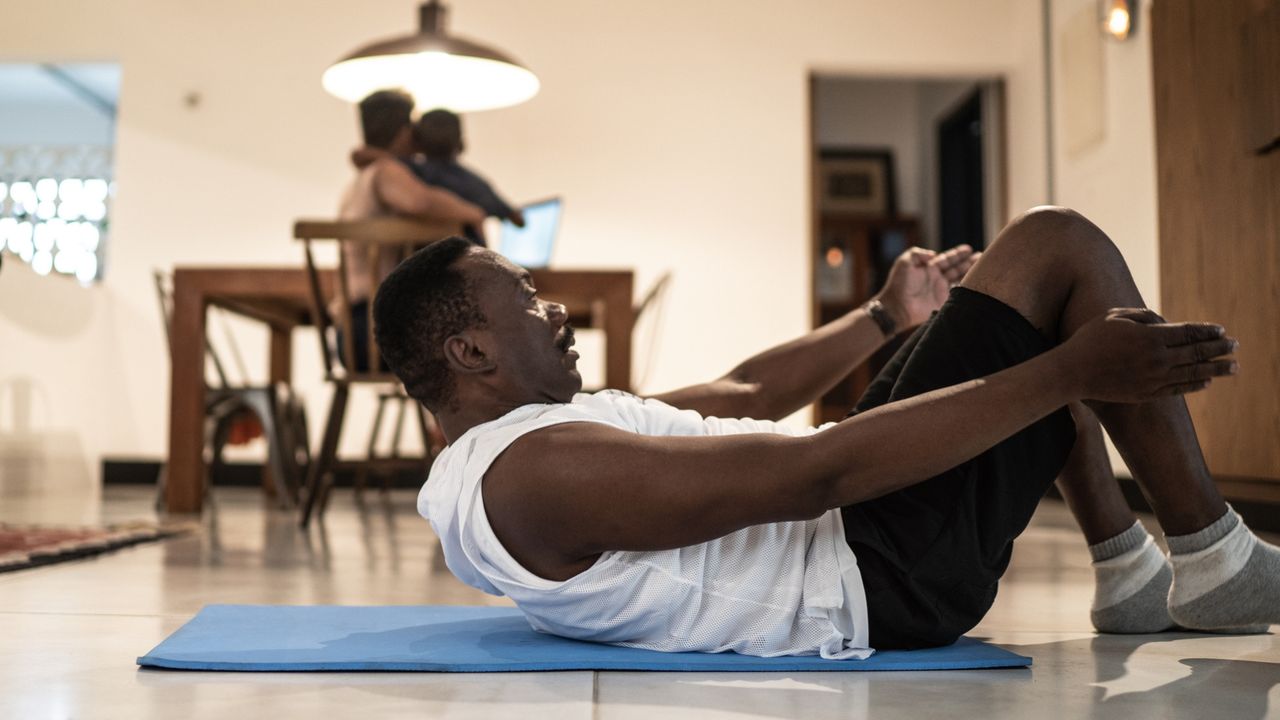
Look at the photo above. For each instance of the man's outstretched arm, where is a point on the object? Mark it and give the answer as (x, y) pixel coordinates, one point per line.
(560, 496)
(401, 191)
(783, 379)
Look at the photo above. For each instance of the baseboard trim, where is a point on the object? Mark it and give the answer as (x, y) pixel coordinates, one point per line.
(1257, 500)
(133, 471)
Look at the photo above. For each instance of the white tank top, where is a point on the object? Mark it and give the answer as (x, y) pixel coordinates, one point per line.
(786, 588)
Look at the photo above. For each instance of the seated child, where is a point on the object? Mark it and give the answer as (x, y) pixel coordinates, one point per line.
(438, 137)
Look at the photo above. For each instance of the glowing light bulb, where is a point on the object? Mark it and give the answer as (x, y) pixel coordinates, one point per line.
(43, 237)
(70, 189)
(1117, 18)
(89, 236)
(24, 196)
(87, 269)
(58, 232)
(66, 261)
(434, 79)
(95, 189)
(20, 239)
(42, 262)
(69, 209)
(835, 256)
(46, 189)
(1118, 22)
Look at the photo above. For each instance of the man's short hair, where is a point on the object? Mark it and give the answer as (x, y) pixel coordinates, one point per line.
(422, 303)
(439, 134)
(383, 115)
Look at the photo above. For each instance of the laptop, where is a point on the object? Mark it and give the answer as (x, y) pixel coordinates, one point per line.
(530, 246)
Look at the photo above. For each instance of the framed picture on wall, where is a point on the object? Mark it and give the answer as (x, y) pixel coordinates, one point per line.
(857, 181)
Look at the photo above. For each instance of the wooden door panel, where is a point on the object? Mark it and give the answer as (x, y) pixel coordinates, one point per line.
(1219, 213)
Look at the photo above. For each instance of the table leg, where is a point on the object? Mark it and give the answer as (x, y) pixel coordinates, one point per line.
(280, 371)
(618, 321)
(184, 484)
(281, 355)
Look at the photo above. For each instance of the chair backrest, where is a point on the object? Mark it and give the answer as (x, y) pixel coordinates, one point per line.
(653, 297)
(372, 239)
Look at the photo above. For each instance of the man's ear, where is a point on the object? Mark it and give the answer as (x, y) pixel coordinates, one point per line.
(465, 354)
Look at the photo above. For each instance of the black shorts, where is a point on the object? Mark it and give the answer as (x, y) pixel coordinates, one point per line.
(931, 554)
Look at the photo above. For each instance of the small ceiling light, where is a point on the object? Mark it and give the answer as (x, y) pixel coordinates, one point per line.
(439, 70)
(1119, 17)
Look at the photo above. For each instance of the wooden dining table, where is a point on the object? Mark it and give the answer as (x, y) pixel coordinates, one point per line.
(280, 298)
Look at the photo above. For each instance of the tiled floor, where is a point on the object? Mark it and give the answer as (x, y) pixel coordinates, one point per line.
(69, 634)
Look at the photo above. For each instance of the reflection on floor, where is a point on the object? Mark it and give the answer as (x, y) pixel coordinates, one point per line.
(71, 633)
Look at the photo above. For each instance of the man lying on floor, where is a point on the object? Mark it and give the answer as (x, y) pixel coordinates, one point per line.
(692, 521)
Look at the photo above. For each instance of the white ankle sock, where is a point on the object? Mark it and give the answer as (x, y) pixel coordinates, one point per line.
(1224, 579)
(1122, 576)
(1199, 570)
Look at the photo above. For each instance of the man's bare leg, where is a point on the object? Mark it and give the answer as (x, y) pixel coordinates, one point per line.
(1060, 271)
(1132, 576)
(1088, 484)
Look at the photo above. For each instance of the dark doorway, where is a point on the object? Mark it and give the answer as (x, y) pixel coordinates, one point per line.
(884, 152)
(960, 191)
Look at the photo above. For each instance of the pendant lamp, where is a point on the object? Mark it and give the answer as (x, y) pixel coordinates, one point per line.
(439, 70)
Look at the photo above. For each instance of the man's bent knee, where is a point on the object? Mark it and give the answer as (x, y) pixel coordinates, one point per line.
(1030, 265)
(1052, 230)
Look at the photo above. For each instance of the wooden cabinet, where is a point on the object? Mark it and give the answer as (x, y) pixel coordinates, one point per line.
(851, 259)
(1217, 103)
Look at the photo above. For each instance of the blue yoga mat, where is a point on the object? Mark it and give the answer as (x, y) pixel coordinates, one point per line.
(436, 638)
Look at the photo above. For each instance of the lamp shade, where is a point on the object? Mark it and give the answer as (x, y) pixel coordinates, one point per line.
(438, 70)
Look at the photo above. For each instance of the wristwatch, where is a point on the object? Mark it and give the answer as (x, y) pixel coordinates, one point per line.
(882, 318)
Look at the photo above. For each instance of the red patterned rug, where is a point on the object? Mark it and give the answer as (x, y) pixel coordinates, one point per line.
(26, 546)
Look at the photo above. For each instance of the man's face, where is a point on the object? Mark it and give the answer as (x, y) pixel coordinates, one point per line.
(527, 337)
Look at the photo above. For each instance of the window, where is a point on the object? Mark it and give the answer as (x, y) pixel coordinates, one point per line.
(57, 131)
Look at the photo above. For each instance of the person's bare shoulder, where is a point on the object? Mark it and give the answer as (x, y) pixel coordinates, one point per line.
(520, 490)
(560, 496)
(389, 165)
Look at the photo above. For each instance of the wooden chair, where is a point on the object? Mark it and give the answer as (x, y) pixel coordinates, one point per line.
(343, 368)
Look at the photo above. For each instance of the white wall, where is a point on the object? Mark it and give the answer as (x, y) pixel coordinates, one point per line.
(1025, 132)
(1114, 181)
(875, 113)
(936, 99)
(676, 131)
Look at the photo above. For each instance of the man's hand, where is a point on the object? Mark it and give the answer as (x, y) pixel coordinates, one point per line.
(920, 280)
(366, 155)
(1131, 355)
